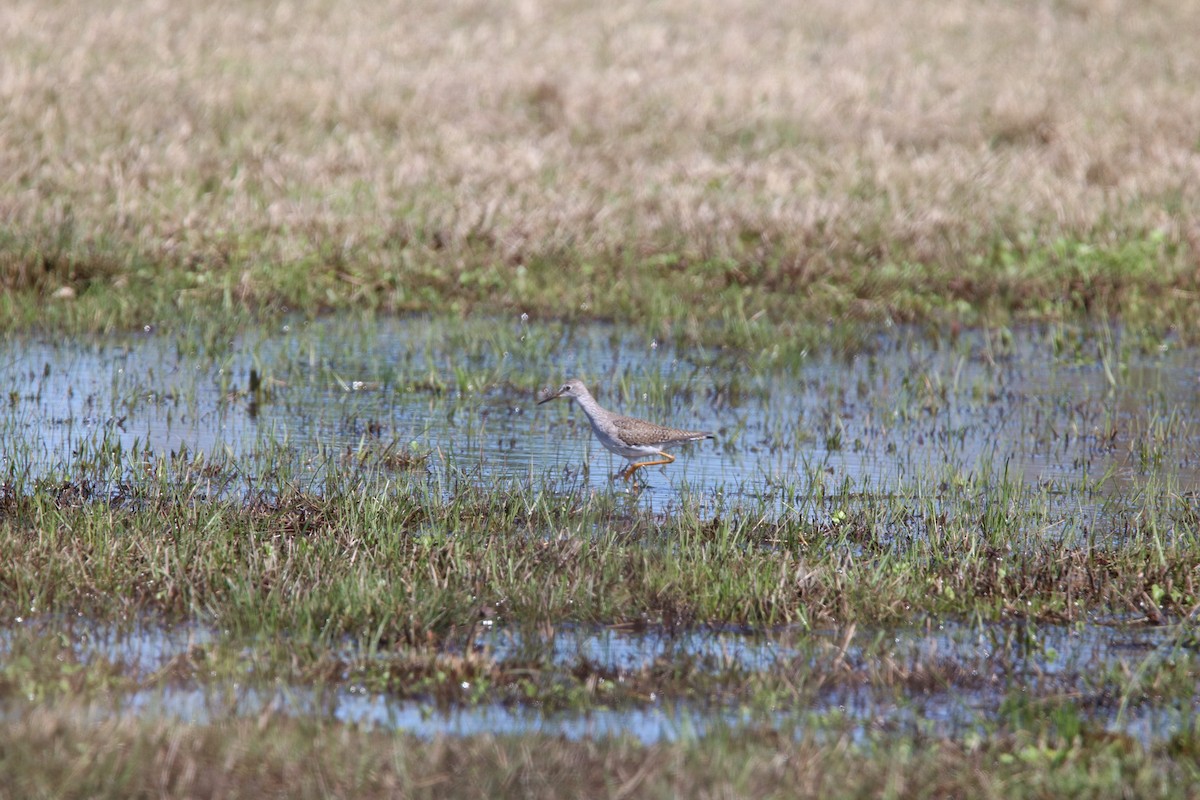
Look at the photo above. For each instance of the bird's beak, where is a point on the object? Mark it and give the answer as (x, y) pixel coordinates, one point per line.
(550, 397)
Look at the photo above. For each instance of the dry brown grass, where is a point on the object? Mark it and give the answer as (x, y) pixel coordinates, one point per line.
(228, 135)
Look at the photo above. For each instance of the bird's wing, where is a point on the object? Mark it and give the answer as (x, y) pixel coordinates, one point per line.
(638, 431)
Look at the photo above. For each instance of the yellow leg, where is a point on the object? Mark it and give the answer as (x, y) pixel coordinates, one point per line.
(628, 472)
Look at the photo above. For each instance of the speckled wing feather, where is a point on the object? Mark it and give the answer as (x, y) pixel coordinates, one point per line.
(640, 432)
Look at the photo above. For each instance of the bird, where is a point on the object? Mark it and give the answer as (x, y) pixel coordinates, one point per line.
(626, 436)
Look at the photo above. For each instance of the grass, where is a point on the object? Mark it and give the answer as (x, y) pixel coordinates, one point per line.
(737, 192)
(619, 163)
(335, 555)
(406, 565)
(54, 754)
(283, 558)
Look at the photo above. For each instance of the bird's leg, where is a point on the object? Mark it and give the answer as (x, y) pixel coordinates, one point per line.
(667, 458)
(630, 474)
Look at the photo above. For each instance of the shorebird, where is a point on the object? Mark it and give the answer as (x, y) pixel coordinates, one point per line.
(627, 437)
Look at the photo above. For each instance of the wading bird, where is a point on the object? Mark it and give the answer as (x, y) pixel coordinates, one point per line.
(627, 437)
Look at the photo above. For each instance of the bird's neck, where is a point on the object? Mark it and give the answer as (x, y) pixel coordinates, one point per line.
(590, 406)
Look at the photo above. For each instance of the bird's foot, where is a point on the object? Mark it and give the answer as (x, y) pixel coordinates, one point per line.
(629, 474)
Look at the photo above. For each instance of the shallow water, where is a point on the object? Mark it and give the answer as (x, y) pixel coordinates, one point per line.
(1084, 420)
(1053, 409)
(940, 679)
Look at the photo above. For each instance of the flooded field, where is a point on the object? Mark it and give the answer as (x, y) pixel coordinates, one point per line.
(943, 680)
(1055, 407)
(1029, 439)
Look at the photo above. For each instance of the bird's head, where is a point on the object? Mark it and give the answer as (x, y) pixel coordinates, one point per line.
(572, 388)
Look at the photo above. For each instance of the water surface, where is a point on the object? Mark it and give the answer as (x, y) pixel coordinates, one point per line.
(939, 679)
(1035, 406)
